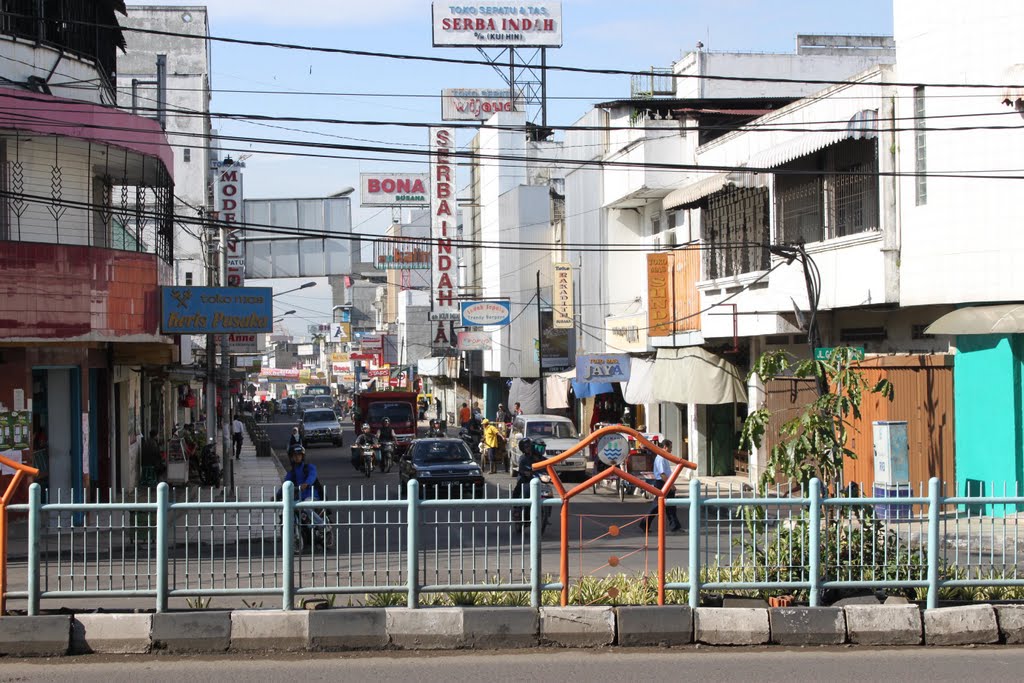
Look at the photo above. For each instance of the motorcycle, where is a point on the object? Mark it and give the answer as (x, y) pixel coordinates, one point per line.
(205, 470)
(313, 527)
(471, 438)
(546, 493)
(387, 456)
(369, 453)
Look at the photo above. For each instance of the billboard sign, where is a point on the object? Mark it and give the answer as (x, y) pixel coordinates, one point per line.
(659, 295)
(476, 104)
(341, 333)
(229, 209)
(602, 367)
(216, 310)
(497, 24)
(243, 343)
(394, 189)
(475, 341)
(403, 254)
(564, 318)
(484, 313)
(442, 227)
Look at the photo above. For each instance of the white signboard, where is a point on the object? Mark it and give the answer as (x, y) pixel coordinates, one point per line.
(475, 341)
(243, 343)
(497, 24)
(304, 350)
(228, 205)
(475, 104)
(394, 189)
(443, 276)
(562, 305)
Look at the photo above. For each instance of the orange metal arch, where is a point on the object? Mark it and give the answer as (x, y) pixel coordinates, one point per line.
(660, 495)
(20, 472)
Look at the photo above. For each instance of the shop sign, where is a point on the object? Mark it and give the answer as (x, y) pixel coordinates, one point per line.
(497, 24)
(475, 104)
(564, 315)
(659, 295)
(379, 372)
(602, 367)
(443, 306)
(474, 341)
(339, 357)
(484, 313)
(394, 189)
(216, 310)
(229, 209)
(243, 343)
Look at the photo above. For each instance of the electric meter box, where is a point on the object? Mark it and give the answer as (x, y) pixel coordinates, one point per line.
(892, 458)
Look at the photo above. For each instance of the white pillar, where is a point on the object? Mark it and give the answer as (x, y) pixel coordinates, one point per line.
(697, 436)
(756, 397)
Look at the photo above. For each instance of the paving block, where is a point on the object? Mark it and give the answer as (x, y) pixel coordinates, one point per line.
(500, 627)
(117, 634)
(269, 629)
(883, 624)
(1011, 623)
(651, 625)
(807, 625)
(42, 636)
(350, 628)
(731, 626)
(427, 628)
(577, 626)
(966, 625)
(195, 631)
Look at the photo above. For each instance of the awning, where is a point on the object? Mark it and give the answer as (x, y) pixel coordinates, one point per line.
(694, 375)
(639, 390)
(588, 389)
(997, 319)
(695, 191)
(862, 125)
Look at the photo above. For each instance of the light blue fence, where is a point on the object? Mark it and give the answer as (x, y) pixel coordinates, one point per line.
(202, 547)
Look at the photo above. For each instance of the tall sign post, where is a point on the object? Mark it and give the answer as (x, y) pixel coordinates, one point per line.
(444, 309)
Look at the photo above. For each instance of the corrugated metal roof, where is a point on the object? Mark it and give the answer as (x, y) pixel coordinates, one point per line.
(695, 191)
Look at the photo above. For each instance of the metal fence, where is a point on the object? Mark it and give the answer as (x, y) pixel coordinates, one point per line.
(404, 543)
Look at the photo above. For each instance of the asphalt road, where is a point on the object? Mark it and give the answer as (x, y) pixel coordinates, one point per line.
(707, 665)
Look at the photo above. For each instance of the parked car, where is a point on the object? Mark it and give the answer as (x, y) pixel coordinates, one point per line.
(558, 434)
(320, 425)
(440, 466)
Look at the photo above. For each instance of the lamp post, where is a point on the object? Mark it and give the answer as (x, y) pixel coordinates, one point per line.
(306, 285)
(284, 315)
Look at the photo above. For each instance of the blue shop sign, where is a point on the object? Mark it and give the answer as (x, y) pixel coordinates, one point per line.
(602, 367)
(216, 310)
(486, 313)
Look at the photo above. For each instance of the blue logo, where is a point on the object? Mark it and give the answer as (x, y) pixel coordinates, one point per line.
(612, 449)
(216, 310)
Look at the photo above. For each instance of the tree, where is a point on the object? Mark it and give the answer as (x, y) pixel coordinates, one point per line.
(814, 443)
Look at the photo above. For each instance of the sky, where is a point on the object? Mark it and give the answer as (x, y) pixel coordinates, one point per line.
(596, 33)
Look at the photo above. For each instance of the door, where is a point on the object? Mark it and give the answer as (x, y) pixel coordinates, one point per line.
(721, 439)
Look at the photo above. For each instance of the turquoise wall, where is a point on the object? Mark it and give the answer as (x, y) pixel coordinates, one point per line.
(989, 413)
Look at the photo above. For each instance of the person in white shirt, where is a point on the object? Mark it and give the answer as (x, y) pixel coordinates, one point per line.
(236, 435)
(662, 471)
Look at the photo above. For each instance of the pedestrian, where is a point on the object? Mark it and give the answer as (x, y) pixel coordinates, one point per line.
(465, 415)
(501, 415)
(662, 472)
(477, 413)
(437, 402)
(150, 461)
(517, 409)
(236, 435)
(491, 443)
(295, 439)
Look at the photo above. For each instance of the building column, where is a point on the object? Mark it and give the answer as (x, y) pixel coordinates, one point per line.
(756, 397)
(697, 437)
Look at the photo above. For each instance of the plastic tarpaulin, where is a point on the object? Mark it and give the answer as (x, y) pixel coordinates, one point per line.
(695, 375)
(639, 390)
(526, 394)
(588, 389)
(556, 390)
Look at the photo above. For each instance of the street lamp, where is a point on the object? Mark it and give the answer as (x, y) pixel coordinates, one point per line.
(283, 315)
(303, 286)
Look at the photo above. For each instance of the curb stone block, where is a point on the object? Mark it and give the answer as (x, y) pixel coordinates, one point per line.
(425, 628)
(577, 626)
(807, 625)
(118, 634)
(883, 624)
(649, 625)
(731, 626)
(1011, 623)
(966, 625)
(355, 628)
(198, 631)
(500, 627)
(269, 630)
(42, 636)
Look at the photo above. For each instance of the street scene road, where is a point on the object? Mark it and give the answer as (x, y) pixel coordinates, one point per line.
(725, 665)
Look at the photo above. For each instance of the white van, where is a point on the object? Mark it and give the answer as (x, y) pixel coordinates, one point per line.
(559, 435)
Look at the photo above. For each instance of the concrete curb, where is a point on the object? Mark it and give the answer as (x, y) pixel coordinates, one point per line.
(731, 626)
(1011, 623)
(197, 631)
(967, 625)
(883, 624)
(43, 636)
(116, 634)
(577, 626)
(807, 625)
(360, 628)
(651, 626)
(255, 629)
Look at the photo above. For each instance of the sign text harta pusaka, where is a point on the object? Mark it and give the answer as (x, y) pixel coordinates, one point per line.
(220, 321)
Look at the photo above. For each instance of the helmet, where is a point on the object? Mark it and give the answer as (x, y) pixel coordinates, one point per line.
(525, 446)
(366, 425)
(296, 449)
(387, 420)
(435, 422)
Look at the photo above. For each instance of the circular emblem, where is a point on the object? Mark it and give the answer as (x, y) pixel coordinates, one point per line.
(612, 449)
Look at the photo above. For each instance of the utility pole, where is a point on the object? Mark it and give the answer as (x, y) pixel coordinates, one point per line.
(211, 342)
(540, 348)
(227, 462)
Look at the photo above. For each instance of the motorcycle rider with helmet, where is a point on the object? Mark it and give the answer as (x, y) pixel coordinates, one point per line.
(366, 438)
(435, 431)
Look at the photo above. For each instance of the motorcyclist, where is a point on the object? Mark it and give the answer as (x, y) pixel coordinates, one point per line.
(386, 431)
(530, 452)
(367, 438)
(435, 431)
(302, 474)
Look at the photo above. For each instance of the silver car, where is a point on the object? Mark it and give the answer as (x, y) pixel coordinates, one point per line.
(320, 425)
(558, 434)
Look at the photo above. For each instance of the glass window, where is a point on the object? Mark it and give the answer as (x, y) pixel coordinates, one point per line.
(396, 412)
(319, 416)
(440, 451)
(551, 430)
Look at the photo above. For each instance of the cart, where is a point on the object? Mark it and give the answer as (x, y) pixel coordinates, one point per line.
(177, 463)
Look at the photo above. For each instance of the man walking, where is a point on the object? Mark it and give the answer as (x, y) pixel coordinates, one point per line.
(662, 471)
(236, 435)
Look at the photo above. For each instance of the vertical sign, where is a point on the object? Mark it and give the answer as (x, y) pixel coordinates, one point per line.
(659, 295)
(563, 304)
(443, 306)
(228, 205)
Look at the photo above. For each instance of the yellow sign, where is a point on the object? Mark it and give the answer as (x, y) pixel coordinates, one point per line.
(562, 304)
(659, 295)
(339, 357)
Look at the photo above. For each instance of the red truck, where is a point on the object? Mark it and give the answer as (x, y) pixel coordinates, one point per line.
(373, 406)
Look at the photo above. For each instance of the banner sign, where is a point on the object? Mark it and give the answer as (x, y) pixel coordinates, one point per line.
(602, 367)
(562, 305)
(475, 341)
(483, 313)
(341, 368)
(394, 189)
(378, 372)
(216, 310)
(339, 357)
(279, 373)
(442, 226)
(404, 254)
(341, 333)
(494, 23)
(476, 104)
(228, 207)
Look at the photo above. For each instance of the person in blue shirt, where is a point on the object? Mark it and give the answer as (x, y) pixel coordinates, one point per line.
(302, 474)
(662, 471)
